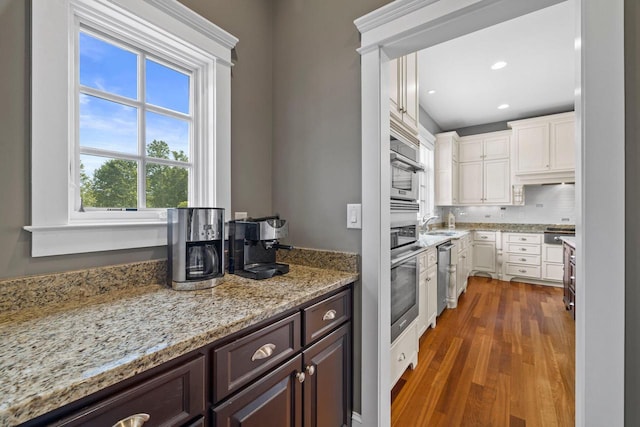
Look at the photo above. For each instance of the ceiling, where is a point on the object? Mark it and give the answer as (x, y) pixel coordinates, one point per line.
(539, 77)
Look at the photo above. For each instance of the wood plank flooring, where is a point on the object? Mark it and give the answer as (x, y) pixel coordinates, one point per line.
(504, 357)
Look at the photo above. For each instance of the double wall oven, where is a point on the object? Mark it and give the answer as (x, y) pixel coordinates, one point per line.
(405, 274)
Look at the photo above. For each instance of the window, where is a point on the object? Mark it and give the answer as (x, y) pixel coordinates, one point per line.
(427, 179)
(130, 116)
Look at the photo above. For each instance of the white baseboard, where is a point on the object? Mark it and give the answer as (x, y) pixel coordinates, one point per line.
(356, 419)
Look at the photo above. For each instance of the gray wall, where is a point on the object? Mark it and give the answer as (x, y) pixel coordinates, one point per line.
(251, 101)
(427, 121)
(632, 202)
(316, 144)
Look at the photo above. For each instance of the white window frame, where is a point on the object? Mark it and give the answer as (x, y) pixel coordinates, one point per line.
(171, 31)
(427, 178)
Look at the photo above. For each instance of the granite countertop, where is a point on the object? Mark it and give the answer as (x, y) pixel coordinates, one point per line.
(55, 354)
(508, 227)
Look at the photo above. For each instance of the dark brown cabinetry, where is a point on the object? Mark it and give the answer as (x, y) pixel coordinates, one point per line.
(313, 389)
(293, 370)
(569, 278)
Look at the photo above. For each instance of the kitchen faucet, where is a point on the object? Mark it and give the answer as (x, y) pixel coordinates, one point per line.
(424, 225)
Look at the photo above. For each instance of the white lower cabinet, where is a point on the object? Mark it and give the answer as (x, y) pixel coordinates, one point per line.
(522, 254)
(552, 262)
(404, 352)
(428, 290)
(484, 251)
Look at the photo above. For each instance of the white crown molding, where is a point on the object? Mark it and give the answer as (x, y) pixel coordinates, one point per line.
(197, 22)
(388, 13)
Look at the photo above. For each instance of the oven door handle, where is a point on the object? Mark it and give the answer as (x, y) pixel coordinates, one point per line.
(404, 257)
(415, 166)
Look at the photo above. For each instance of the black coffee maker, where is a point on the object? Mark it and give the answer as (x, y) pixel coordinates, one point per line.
(253, 243)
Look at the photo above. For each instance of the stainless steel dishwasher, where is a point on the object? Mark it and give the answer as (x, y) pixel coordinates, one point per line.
(444, 261)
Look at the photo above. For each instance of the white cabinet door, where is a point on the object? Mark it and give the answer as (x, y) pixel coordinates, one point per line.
(395, 84)
(496, 147)
(432, 295)
(562, 145)
(497, 182)
(471, 189)
(552, 253)
(423, 298)
(470, 150)
(410, 117)
(484, 256)
(532, 148)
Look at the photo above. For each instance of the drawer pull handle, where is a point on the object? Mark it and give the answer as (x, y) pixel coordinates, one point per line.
(310, 370)
(572, 277)
(133, 421)
(522, 271)
(523, 259)
(573, 257)
(263, 352)
(523, 249)
(329, 315)
(524, 239)
(300, 377)
(401, 357)
(483, 237)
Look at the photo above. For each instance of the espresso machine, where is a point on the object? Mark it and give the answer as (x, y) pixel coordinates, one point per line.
(195, 243)
(253, 244)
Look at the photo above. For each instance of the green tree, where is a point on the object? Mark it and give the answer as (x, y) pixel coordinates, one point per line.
(167, 186)
(115, 184)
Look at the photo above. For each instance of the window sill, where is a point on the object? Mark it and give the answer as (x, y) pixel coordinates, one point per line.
(82, 238)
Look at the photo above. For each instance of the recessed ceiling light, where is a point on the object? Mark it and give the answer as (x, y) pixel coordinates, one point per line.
(431, 92)
(503, 106)
(498, 65)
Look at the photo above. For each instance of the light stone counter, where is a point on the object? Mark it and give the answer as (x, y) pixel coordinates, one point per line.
(53, 354)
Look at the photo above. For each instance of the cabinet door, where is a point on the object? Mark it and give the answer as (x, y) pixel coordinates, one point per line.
(562, 145)
(532, 148)
(496, 181)
(470, 150)
(423, 300)
(395, 84)
(410, 117)
(484, 257)
(432, 294)
(496, 147)
(471, 183)
(273, 401)
(327, 391)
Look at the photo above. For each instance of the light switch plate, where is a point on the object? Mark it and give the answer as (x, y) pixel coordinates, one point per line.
(354, 215)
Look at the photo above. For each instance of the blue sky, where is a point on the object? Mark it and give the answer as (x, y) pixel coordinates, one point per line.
(114, 126)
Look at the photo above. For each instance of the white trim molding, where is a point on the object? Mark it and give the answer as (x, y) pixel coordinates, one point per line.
(170, 31)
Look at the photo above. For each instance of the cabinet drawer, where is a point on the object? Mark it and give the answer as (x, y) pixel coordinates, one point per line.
(523, 259)
(485, 236)
(523, 270)
(241, 361)
(324, 316)
(402, 352)
(523, 249)
(524, 238)
(171, 398)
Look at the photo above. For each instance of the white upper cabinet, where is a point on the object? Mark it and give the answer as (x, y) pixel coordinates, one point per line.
(403, 96)
(544, 149)
(446, 169)
(484, 169)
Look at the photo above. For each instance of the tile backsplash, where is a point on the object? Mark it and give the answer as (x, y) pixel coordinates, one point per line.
(544, 204)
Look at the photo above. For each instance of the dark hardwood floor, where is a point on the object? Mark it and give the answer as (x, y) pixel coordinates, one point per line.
(504, 357)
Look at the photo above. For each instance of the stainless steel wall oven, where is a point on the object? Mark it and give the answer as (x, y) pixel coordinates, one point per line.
(404, 170)
(405, 276)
